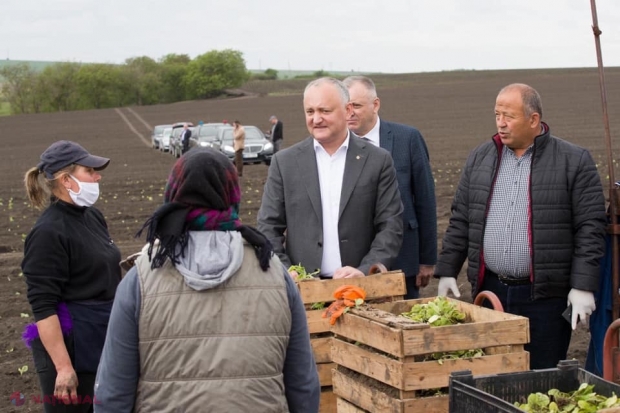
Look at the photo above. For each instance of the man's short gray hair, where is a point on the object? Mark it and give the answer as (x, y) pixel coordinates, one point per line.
(342, 89)
(532, 103)
(365, 81)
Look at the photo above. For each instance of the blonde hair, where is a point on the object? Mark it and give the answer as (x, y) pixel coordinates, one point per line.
(39, 188)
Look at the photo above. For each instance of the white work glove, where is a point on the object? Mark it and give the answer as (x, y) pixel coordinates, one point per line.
(582, 303)
(448, 284)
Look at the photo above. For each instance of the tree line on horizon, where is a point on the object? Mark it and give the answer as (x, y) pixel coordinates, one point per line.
(140, 80)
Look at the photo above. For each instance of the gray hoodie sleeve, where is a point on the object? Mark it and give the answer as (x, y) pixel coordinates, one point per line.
(301, 379)
(119, 368)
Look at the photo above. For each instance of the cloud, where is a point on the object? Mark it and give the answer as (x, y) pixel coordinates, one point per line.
(370, 35)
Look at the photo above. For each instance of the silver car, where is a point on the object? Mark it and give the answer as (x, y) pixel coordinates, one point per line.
(164, 142)
(176, 146)
(158, 132)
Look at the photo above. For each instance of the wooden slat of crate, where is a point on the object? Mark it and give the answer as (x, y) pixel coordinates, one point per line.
(372, 399)
(389, 284)
(484, 328)
(504, 349)
(327, 404)
(316, 322)
(344, 406)
(325, 373)
(321, 347)
(408, 375)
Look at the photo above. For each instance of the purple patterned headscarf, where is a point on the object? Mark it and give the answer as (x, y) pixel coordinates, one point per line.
(202, 194)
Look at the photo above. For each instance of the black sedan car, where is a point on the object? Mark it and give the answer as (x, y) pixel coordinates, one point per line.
(205, 135)
(257, 148)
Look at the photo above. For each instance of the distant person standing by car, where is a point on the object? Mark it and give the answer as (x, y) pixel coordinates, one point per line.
(71, 267)
(277, 133)
(185, 135)
(238, 145)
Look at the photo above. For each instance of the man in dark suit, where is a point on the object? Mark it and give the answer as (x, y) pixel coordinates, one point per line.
(277, 133)
(331, 202)
(418, 253)
(185, 135)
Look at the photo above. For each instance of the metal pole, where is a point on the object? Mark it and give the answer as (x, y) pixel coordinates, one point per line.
(613, 229)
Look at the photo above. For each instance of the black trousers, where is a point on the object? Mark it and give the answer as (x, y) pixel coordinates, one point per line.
(47, 379)
(549, 332)
(413, 291)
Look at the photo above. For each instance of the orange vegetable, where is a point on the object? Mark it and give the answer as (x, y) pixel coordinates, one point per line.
(346, 296)
(337, 314)
(350, 292)
(354, 294)
(333, 307)
(341, 290)
(349, 303)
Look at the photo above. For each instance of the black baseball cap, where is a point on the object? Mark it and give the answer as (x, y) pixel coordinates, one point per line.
(64, 153)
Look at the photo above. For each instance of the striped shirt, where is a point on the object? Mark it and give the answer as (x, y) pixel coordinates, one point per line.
(506, 241)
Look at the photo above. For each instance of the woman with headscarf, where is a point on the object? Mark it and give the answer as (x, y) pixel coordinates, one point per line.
(208, 320)
(71, 267)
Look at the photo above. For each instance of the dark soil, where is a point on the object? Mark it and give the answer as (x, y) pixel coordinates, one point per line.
(453, 110)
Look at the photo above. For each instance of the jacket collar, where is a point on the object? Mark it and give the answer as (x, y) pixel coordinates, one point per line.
(539, 142)
(306, 160)
(67, 207)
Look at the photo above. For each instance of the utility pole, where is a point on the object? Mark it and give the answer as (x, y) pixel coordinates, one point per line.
(614, 193)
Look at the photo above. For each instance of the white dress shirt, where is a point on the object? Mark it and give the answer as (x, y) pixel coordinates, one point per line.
(331, 172)
(373, 135)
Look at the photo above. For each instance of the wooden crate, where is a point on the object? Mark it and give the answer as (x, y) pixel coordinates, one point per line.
(343, 406)
(382, 346)
(385, 286)
(325, 373)
(379, 287)
(384, 330)
(328, 401)
(389, 285)
(363, 394)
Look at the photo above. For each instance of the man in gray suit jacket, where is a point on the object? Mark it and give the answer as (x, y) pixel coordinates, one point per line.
(418, 253)
(331, 202)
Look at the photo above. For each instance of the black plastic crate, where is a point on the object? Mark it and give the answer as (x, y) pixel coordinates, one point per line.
(497, 393)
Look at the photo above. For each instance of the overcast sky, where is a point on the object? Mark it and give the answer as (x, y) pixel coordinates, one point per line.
(363, 35)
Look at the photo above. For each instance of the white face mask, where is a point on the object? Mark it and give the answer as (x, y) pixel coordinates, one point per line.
(88, 194)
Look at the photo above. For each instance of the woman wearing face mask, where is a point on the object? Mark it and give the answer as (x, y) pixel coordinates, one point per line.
(71, 266)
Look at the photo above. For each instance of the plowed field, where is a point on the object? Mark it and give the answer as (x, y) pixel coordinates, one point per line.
(454, 111)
